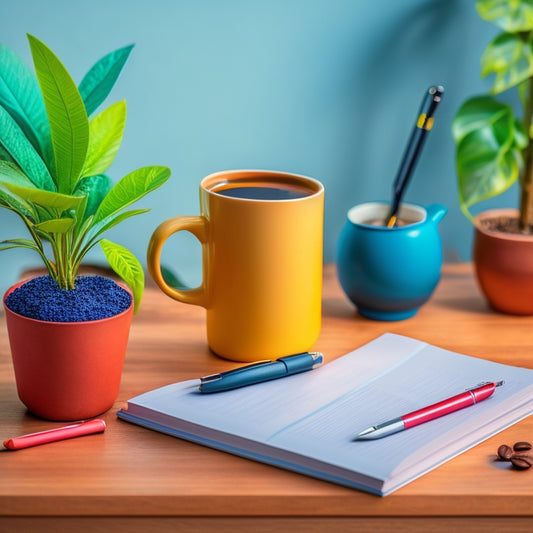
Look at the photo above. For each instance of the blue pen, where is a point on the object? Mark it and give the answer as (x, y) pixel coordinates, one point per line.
(259, 372)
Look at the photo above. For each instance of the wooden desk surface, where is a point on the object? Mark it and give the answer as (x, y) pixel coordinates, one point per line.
(133, 478)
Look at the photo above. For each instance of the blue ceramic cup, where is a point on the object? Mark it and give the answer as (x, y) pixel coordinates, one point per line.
(388, 273)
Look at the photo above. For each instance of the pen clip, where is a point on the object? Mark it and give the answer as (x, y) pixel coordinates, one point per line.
(217, 376)
(483, 383)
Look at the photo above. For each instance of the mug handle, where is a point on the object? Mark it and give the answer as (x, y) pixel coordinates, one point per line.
(198, 227)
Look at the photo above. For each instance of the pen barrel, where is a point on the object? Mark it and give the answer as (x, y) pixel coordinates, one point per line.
(438, 409)
(259, 372)
(67, 432)
(410, 159)
(249, 375)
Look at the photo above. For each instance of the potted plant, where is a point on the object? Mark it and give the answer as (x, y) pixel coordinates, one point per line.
(494, 150)
(68, 333)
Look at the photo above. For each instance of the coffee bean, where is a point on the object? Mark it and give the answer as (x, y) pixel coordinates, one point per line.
(522, 446)
(505, 452)
(521, 461)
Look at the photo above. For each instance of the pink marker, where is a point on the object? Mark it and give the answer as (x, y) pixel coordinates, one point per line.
(66, 432)
(465, 399)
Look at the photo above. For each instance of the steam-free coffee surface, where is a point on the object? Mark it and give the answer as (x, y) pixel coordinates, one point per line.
(263, 193)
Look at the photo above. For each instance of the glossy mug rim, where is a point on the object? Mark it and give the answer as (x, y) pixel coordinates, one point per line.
(412, 213)
(315, 187)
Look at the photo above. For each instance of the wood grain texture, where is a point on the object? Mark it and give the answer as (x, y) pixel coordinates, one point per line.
(132, 472)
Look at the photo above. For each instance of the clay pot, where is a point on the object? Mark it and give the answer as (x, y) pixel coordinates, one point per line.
(504, 265)
(68, 370)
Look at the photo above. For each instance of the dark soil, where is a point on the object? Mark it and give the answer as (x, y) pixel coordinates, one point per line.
(94, 298)
(504, 225)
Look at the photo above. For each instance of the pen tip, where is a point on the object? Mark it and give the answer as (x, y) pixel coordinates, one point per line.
(364, 433)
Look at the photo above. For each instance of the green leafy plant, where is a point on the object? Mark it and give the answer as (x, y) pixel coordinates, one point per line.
(53, 159)
(494, 143)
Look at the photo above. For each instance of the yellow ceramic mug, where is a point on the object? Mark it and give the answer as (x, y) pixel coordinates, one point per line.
(262, 246)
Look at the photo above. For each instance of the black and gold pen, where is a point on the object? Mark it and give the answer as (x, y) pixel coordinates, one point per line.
(424, 123)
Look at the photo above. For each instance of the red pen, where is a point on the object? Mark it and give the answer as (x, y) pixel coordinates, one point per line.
(66, 432)
(465, 399)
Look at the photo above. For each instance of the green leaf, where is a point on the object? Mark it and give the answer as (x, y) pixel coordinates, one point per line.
(477, 113)
(95, 189)
(105, 137)
(56, 225)
(521, 139)
(22, 151)
(126, 265)
(172, 279)
(99, 81)
(511, 15)
(510, 58)
(492, 180)
(51, 200)
(15, 203)
(523, 92)
(5, 155)
(80, 215)
(42, 213)
(130, 189)
(117, 219)
(69, 124)
(21, 97)
(18, 243)
(11, 173)
(487, 164)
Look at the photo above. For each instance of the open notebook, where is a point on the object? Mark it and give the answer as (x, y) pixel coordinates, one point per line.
(307, 422)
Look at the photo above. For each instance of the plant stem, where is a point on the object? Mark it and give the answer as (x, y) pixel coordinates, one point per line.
(51, 267)
(526, 197)
(68, 281)
(56, 248)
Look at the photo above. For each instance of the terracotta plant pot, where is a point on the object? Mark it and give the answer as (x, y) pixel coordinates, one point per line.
(504, 265)
(68, 370)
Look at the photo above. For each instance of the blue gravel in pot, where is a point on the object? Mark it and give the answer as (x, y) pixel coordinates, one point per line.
(94, 298)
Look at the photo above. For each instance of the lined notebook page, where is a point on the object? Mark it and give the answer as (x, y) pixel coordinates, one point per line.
(264, 409)
(427, 377)
(318, 413)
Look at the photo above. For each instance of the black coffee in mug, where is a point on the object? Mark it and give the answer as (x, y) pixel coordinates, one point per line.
(262, 190)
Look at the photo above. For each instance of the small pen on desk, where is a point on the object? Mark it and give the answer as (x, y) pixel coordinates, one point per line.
(52, 435)
(259, 372)
(465, 399)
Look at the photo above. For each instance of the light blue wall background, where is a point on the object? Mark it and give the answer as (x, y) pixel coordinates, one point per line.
(327, 88)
